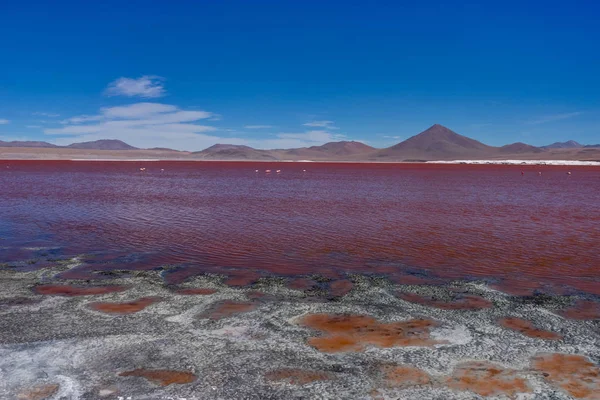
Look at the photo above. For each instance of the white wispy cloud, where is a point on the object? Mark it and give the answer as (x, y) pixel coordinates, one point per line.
(46, 114)
(147, 125)
(554, 117)
(321, 124)
(33, 126)
(147, 86)
(4, 121)
(153, 112)
(392, 137)
(314, 136)
(142, 125)
(138, 110)
(81, 118)
(258, 126)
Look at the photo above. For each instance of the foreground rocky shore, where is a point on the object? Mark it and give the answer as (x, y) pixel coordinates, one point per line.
(134, 335)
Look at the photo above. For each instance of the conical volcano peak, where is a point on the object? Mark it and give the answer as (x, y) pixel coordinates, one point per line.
(437, 128)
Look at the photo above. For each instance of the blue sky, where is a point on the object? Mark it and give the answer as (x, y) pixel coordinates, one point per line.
(188, 74)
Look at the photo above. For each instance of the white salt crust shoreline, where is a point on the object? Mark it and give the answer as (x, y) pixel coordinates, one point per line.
(520, 162)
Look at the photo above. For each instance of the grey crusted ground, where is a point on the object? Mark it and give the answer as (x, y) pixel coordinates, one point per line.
(60, 340)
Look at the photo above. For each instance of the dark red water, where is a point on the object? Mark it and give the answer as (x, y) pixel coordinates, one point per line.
(411, 222)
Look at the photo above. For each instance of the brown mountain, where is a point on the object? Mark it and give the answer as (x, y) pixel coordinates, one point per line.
(519, 148)
(345, 150)
(435, 143)
(571, 144)
(162, 149)
(35, 144)
(104, 144)
(233, 152)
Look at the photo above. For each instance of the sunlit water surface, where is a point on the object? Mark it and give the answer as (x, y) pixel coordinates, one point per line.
(510, 226)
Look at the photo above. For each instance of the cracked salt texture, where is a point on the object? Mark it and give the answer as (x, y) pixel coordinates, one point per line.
(265, 352)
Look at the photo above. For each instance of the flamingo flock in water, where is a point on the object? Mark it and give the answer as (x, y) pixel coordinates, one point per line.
(143, 169)
(268, 171)
(540, 173)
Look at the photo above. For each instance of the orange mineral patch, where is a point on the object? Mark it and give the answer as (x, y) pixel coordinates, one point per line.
(583, 309)
(458, 302)
(68, 290)
(162, 377)
(129, 307)
(39, 392)
(297, 376)
(575, 374)
(227, 308)
(196, 291)
(527, 328)
(355, 332)
(487, 379)
(405, 376)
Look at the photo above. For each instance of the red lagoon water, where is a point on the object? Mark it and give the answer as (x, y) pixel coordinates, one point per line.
(412, 222)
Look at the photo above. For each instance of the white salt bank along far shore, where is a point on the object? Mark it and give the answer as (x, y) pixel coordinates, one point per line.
(520, 162)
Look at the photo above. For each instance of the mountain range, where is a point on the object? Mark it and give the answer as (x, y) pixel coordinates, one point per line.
(105, 144)
(571, 144)
(435, 143)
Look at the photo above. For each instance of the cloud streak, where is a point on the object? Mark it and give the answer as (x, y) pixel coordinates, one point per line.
(148, 125)
(4, 121)
(258, 126)
(321, 124)
(46, 114)
(141, 125)
(147, 86)
(554, 117)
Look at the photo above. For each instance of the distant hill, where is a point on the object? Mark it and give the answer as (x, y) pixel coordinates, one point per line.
(35, 144)
(104, 144)
(233, 152)
(435, 143)
(162, 149)
(519, 148)
(344, 148)
(347, 150)
(571, 144)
